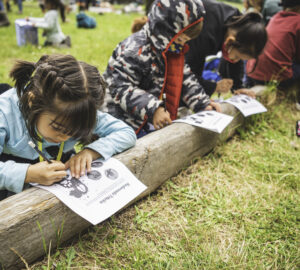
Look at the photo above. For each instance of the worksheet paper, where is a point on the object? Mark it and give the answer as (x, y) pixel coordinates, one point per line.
(246, 105)
(99, 194)
(210, 120)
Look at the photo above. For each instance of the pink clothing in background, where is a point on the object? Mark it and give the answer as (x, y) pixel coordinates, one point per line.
(282, 49)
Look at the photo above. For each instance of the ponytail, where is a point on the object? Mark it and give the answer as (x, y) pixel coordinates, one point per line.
(249, 17)
(21, 73)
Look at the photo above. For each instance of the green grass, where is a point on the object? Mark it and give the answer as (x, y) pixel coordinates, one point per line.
(93, 46)
(236, 208)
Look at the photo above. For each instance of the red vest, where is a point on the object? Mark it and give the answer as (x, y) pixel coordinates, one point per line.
(174, 78)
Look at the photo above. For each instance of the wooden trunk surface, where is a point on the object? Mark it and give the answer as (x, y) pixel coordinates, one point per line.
(35, 215)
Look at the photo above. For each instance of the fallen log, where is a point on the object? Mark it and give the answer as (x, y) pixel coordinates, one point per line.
(34, 218)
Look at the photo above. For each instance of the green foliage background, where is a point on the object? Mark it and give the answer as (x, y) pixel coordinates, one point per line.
(90, 45)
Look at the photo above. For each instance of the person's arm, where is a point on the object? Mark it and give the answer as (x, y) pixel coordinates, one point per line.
(195, 60)
(114, 136)
(47, 22)
(124, 74)
(193, 94)
(234, 71)
(12, 174)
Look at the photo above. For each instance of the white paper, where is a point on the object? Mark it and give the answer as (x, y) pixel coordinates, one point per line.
(246, 105)
(101, 193)
(210, 120)
(101, 9)
(23, 22)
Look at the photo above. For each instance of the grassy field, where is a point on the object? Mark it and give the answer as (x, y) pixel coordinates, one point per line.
(236, 208)
(90, 45)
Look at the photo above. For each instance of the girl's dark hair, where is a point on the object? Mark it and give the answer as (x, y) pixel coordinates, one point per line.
(251, 35)
(52, 4)
(59, 84)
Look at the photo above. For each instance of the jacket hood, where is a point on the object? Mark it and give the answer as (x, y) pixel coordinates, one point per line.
(168, 18)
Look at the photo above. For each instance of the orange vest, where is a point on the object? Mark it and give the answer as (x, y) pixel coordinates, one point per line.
(173, 85)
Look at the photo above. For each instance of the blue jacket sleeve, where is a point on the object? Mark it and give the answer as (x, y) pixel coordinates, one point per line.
(12, 174)
(115, 136)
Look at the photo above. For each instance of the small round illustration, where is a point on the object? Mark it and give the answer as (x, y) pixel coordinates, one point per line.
(97, 164)
(111, 174)
(94, 175)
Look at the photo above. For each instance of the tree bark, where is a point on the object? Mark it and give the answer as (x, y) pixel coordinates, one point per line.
(34, 218)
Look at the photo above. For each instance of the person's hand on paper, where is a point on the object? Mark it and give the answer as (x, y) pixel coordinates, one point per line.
(81, 162)
(44, 173)
(161, 118)
(224, 85)
(213, 106)
(245, 91)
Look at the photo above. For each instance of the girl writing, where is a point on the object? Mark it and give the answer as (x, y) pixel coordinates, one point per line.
(239, 37)
(55, 104)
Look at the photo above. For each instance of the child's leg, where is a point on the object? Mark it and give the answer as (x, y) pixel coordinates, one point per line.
(62, 10)
(66, 43)
(20, 6)
(1, 5)
(7, 6)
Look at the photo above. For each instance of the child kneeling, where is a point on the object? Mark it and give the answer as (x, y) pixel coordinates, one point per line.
(50, 24)
(150, 64)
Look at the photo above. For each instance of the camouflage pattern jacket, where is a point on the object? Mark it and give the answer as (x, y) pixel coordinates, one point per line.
(136, 72)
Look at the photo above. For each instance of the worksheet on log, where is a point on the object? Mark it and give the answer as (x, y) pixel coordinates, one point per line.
(246, 105)
(210, 120)
(103, 191)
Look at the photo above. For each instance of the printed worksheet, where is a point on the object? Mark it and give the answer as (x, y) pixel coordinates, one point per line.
(100, 193)
(246, 105)
(210, 120)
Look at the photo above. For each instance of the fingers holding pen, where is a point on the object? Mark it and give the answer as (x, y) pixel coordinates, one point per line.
(44, 173)
(161, 118)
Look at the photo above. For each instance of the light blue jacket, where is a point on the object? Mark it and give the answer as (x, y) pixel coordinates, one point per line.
(115, 136)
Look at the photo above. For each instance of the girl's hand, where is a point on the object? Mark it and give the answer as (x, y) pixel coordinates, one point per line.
(245, 91)
(81, 162)
(161, 118)
(45, 174)
(224, 85)
(213, 106)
